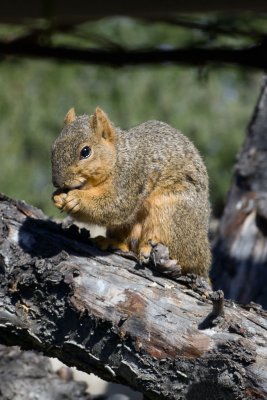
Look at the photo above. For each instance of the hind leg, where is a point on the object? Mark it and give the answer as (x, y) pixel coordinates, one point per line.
(175, 221)
(157, 226)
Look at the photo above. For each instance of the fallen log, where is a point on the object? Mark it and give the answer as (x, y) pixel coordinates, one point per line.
(103, 313)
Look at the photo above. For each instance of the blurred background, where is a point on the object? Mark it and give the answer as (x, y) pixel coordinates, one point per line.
(211, 105)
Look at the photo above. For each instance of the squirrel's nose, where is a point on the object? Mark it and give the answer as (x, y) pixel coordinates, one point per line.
(57, 182)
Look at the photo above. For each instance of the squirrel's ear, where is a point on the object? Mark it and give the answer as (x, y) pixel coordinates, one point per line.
(70, 116)
(102, 125)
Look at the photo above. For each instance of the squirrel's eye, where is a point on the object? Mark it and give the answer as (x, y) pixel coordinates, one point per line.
(85, 152)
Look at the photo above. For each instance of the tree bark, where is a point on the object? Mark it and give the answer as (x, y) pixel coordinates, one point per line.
(240, 248)
(104, 314)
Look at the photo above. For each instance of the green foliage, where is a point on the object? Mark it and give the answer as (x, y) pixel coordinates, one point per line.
(212, 108)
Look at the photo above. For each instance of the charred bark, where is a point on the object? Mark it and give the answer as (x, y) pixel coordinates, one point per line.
(240, 248)
(104, 314)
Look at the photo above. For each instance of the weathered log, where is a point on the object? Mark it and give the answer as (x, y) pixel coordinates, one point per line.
(240, 248)
(104, 314)
(27, 375)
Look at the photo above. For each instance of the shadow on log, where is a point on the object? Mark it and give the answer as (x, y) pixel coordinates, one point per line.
(104, 314)
(240, 249)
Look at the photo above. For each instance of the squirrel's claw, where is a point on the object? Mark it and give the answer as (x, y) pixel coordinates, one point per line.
(72, 202)
(69, 202)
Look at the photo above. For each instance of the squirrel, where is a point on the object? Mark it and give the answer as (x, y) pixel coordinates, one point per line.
(146, 185)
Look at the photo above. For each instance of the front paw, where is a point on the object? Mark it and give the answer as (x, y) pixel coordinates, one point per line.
(72, 202)
(59, 199)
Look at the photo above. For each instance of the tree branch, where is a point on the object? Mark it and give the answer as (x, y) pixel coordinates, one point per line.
(104, 314)
(250, 57)
(213, 27)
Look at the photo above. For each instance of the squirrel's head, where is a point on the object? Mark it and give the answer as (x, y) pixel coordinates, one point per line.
(84, 153)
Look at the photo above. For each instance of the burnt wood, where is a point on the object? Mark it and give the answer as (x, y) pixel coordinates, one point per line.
(169, 339)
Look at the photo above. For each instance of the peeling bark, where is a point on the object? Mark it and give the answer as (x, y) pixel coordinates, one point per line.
(240, 249)
(105, 314)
